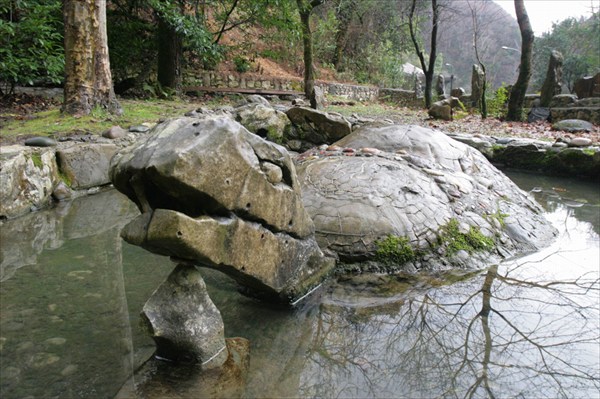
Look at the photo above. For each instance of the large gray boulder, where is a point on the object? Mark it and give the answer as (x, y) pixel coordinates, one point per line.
(413, 182)
(86, 165)
(316, 127)
(215, 194)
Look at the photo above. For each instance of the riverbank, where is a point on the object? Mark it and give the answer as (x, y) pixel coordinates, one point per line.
(73, 155)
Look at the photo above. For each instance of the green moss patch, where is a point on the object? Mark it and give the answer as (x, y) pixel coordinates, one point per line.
(455, 240)
(394, 250)
(36, 158)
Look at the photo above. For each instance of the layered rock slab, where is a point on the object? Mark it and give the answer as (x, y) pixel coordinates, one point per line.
(215, 194)
(410, 181)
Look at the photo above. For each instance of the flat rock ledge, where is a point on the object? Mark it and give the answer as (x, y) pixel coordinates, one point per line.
(572, 157)
(34, 177)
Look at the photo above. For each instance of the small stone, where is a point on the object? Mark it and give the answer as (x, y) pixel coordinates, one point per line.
(115, 132)
(70, 369)
(56, 341)
(139, 129)
(580, 142)
(369, 150)
(349, 150)
(40, 142)
(559, 144)
(62, 192)
(273, 172)
(43, 359)
(334, 148)
(298, 102)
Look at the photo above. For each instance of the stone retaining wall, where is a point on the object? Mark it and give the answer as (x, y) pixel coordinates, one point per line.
(252, 81)
(407, 98)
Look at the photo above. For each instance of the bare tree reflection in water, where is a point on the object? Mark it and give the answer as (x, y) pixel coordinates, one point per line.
(499, 334)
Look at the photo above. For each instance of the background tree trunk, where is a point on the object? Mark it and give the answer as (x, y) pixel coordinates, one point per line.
(428, 69)
(170, 52)
(517, 94)
(88, 81)
(344, 14)
(305, 8)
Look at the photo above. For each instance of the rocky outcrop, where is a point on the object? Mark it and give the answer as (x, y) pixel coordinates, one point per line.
(312, 127)
(215, 194)
(553, 82)
(28, 178)
(573, 157)
(414, 184)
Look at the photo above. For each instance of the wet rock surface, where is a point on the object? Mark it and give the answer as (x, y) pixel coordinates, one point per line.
(409, 181)
(215, 194)
(183, 321)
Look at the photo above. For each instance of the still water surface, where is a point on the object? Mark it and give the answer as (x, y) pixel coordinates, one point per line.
(71, 292)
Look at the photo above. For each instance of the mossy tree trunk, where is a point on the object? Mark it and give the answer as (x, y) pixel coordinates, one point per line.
(517, 94)
(88, 80)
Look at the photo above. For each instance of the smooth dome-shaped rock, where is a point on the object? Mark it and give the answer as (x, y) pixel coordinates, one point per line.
(422, 187)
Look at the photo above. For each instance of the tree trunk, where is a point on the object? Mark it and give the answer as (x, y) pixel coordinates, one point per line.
(344, 17)
(88, 81)
(170, 49)
(517, 94)
(309, 73)
(427, 69)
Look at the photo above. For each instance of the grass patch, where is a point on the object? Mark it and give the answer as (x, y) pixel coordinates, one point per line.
(394, 250)
(455, 240)
(54, 124)
(36, 158)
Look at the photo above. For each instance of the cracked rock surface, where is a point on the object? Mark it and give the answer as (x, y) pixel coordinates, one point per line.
(411, 181)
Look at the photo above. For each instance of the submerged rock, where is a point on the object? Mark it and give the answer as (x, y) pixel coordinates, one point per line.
(183, 321)
(420, 185)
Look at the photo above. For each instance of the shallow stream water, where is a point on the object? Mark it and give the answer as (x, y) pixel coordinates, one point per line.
(71, 291)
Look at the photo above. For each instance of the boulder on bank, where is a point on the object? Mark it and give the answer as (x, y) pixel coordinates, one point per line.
(418, 187)
(573, 125)
(28, 178)
(314, 127)
(263, 121)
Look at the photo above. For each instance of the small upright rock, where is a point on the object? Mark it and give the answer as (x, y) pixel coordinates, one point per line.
(183, 321)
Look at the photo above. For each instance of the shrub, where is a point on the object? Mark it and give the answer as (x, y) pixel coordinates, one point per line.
(31, 43)
(241, 64)
(497, 106)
